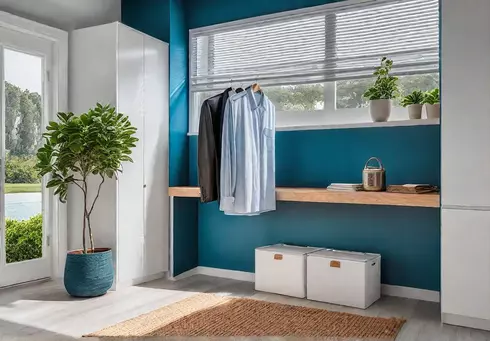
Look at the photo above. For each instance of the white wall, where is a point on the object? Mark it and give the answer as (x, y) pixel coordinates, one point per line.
(65, 14)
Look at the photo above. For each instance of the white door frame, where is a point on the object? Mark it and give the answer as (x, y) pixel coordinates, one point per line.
(58, 86)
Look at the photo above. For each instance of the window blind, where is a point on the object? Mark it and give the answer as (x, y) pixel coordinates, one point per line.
(344, 40)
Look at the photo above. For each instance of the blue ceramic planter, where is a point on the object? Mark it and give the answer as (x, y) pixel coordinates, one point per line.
(89, 275)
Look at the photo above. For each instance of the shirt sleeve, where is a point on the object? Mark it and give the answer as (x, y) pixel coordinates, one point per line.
(206, 151)
(228, 161)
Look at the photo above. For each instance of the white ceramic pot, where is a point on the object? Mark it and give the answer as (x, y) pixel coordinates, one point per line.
(380, 109)
(415, 111)
(433, 110)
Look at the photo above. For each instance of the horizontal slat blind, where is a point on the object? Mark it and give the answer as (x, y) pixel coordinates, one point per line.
(331, 42)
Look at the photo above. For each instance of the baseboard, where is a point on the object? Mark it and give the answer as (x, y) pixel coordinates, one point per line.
(464, 321)
(188, 273)
(408, 292)
(387, 290)
(224, 273)
(141, 280)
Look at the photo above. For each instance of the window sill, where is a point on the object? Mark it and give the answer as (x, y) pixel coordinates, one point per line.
(354, 125)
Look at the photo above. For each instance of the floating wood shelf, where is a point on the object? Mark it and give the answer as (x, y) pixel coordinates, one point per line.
(324, 196)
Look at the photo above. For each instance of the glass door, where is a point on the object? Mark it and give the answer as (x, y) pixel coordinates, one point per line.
(24, 243)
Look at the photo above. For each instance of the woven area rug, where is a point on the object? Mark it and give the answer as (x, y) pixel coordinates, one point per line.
(208, 315)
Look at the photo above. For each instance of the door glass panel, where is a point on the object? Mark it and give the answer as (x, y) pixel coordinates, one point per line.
(23, 129)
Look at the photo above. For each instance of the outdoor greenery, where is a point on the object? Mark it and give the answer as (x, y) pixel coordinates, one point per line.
(416, 97)
(94, 143)
(432, 96)
(21, 170)
(304, 97)
(22, 188)
(23, 239)
(23, 110)
(385, 85)
(349, 93)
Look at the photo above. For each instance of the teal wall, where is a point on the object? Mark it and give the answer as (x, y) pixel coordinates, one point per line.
(204, 13)
(407, 238)
(165, 20)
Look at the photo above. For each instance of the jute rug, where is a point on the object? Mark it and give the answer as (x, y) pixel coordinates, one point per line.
(208, 315)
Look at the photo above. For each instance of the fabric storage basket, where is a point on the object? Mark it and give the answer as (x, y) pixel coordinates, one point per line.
(342, 277)
(281, 269)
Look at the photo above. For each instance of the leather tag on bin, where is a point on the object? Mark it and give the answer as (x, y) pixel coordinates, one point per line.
(334, 264)
(278, 256)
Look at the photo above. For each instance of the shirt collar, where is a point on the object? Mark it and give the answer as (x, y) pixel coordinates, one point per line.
(251, 98)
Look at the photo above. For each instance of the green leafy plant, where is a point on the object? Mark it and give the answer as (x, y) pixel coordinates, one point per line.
(76, 147)
(23, 239)
(21, 170)
(431, 97)
(416, 97)
(386, 85)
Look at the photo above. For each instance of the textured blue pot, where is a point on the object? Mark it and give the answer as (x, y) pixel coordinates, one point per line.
(89, 275)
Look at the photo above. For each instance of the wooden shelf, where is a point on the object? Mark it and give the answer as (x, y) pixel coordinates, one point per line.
(322, 195)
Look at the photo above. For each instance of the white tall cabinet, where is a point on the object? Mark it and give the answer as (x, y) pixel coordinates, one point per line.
(114, 64)
(465, 162)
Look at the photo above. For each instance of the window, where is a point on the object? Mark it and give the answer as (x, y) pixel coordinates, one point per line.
(317, 62)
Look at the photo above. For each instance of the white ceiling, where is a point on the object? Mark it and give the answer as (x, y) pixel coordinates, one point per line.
(65, 14)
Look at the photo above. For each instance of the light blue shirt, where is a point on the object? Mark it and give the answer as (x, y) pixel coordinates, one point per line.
(248, 183)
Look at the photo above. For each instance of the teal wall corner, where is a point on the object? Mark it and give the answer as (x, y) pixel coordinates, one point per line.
(185, 233)
(165, 20)
(148, 16)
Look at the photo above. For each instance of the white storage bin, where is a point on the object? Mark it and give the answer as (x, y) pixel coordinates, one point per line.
(281, 269)
(341, 277)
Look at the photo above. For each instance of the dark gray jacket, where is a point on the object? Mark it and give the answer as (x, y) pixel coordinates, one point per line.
(209, 145)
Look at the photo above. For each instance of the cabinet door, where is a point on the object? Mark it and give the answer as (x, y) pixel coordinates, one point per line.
(465, 251)
(156, 122)
(465, 88)
(130, 185)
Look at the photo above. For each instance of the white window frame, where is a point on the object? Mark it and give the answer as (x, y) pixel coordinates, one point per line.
(329, 117)
(58, 86)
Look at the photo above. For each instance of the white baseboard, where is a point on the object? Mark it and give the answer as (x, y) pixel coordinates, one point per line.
(223, 273)
(465, 321)
(387, 290)
(186, 274)
(141, 280)
(408, 292)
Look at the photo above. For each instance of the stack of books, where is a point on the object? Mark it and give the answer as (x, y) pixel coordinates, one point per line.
(412, 188)
(339, 187)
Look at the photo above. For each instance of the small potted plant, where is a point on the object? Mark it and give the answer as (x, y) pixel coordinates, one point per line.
(414, 102)
(76, 148)
(383, 91)
(432, 103)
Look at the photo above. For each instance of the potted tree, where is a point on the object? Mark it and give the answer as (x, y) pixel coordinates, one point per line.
(76, 148)
(414, 102)
(432, 103)
(383, 91)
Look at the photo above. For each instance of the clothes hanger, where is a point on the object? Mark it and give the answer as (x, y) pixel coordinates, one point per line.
(256, 86)
(240, 89)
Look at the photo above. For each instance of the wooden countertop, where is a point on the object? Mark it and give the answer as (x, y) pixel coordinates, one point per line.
(322, 195)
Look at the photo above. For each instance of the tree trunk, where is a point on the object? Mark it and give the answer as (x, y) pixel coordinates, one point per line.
(84, 218)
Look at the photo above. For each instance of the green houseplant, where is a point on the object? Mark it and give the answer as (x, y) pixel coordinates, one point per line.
(382, 92)
(75, 149)
(432, 103)
(414, 102)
